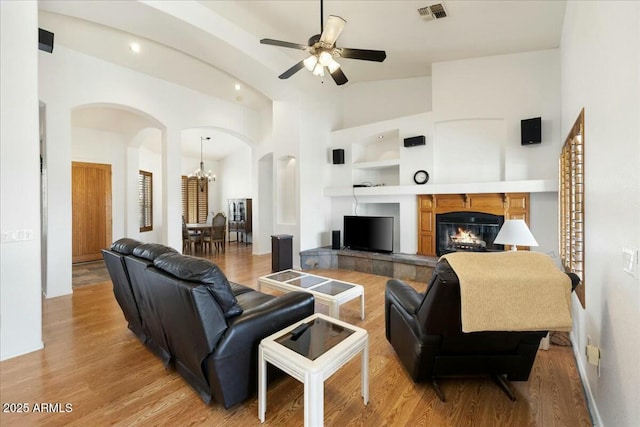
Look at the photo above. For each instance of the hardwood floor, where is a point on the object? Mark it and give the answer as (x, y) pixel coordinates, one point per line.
(94, 367)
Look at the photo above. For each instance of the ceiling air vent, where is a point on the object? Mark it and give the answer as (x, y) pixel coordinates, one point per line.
(435, 11)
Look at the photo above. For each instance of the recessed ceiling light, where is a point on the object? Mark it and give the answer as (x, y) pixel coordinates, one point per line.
(237, 86)
(380, 136)
(134, 47)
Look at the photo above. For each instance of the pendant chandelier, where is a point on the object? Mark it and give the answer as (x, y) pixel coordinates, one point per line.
(202, 176)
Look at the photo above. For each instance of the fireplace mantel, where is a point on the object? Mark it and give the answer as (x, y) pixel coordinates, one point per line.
(521, 186)
(510, 205)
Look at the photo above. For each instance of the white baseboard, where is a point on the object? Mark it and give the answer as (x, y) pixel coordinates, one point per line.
(591, 402)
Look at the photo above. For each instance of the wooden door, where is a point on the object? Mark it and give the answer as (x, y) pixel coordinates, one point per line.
(91, 204)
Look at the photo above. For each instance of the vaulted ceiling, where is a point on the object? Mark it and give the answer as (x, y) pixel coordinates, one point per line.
(213, 46)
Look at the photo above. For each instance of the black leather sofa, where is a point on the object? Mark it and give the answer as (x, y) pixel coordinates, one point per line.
(186, 311)
(425, 331)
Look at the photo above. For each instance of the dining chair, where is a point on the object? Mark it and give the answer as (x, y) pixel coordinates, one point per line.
(218, 231)
(189, 240)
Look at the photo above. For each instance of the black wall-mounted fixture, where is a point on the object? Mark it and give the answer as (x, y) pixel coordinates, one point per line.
(45, 40)
(338, 156)
(414, 141)
(531, 131)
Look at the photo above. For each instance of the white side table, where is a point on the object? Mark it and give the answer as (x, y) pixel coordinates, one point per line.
(325, 346)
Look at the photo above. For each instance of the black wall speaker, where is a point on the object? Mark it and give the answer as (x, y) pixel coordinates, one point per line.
(414, 141)
(338, 156)
(335, 239)
(531, 131)
(45, 40)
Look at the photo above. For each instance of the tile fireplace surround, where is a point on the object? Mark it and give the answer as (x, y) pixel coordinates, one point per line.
(400, 266)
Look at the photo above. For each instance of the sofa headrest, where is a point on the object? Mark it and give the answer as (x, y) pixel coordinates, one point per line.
(125, 245)
(151, 251)
(202, 271)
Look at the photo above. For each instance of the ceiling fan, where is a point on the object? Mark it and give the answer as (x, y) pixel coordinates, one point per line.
(323, 51)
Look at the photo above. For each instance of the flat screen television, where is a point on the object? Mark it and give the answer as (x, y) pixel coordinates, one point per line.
(369, 233)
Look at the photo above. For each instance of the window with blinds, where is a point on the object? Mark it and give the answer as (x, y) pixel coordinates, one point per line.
(145, 200)
(572, 204)
(195, 202)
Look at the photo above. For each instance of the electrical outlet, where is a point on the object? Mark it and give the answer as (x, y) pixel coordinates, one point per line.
(17, 235)
(592, 353)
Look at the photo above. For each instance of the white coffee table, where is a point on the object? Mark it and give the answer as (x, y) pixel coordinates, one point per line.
(328, 291)
(325, 346)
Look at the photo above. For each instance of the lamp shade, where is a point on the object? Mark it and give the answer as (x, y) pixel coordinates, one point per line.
(515, 232)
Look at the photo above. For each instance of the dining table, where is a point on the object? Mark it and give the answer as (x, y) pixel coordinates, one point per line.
(198, 230)
(197, 227)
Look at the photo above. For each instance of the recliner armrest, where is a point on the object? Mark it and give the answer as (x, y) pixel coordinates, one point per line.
(403, 295)
(259, 322)
(575, 281)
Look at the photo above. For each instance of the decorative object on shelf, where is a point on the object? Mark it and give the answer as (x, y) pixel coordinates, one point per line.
(515, 232)
(421, 177)
(322, 49)
(200, 173)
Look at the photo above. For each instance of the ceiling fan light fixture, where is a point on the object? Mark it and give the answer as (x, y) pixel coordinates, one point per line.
(310, 62)
(318, 70)
(325, 58)
(333, 66)
(322, 50)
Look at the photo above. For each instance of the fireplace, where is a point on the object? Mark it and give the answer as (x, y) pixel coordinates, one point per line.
(467, 231)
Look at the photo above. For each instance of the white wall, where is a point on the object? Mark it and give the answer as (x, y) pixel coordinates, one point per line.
(68, 80)
(236, 176)
(20, 281)
(507, 88)
(601, 73)
(369, 102)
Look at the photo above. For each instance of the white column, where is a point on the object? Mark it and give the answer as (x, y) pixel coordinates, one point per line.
(171, 173)
(20, 280)
(60, 220)
(131, 226)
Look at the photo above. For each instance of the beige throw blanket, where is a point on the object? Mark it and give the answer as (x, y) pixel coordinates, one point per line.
(511, 291)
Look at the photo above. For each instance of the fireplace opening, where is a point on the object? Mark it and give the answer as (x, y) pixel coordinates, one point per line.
(468, 232)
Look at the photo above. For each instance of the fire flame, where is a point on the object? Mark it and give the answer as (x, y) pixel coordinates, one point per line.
(465, 236)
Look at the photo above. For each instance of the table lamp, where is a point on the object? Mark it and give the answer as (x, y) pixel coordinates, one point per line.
(515, 232)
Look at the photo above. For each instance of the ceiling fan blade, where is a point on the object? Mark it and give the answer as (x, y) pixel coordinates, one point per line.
(364, 54)
(291, 71)
(339, 77)
(332, 30)
(284, 44)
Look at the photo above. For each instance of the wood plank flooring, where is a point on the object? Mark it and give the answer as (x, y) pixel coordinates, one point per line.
(96, 367)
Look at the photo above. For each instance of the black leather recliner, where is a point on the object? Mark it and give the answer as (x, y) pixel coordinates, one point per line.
(425, 330)
(185, 310)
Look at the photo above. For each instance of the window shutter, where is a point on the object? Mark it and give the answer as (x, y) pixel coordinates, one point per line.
(195, 203)
(145, 200)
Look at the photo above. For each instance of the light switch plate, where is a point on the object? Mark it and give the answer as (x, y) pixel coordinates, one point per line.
(630, 261)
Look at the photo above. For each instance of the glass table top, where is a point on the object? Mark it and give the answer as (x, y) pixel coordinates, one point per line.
(319, 338)
(333, 287)
(284, 276)
(307, 281)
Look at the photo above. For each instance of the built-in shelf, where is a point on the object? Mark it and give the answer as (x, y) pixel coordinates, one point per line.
(525, 186)
(379, 164)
